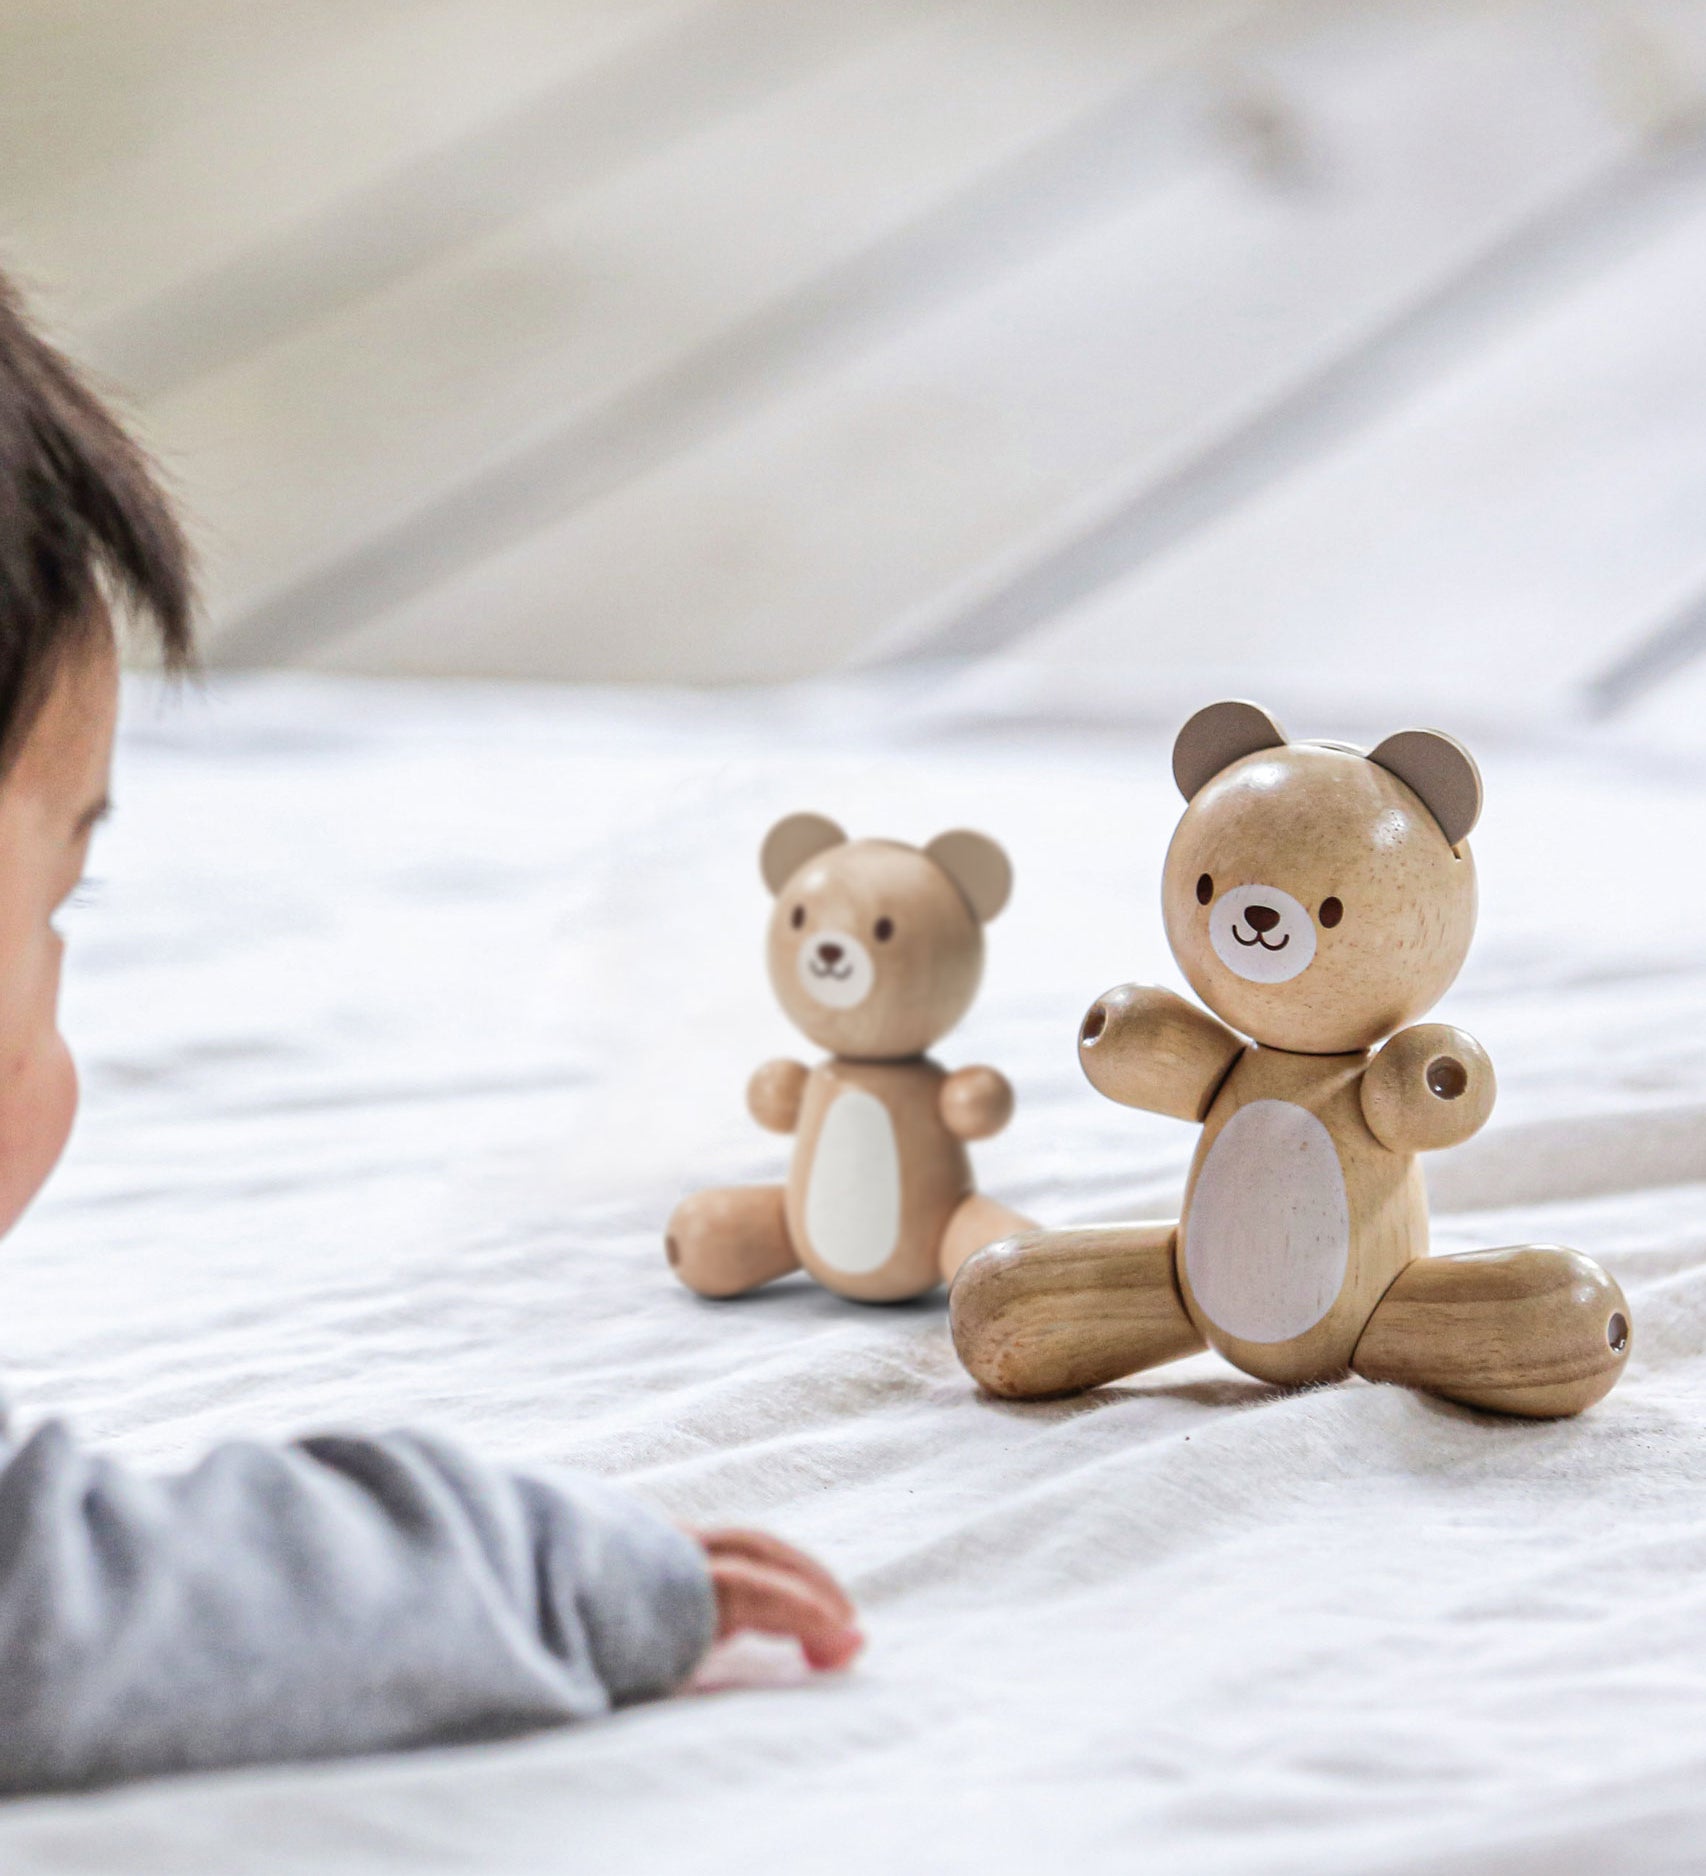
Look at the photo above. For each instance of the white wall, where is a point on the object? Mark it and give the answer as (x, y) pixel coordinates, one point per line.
(1122, 347)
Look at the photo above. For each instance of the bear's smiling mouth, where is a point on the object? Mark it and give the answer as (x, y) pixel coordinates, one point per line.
(1258, 939)
(818, 968)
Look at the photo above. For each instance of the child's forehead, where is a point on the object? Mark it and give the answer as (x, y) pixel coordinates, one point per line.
(68, 747)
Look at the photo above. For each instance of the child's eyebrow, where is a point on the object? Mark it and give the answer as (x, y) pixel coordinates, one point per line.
(95, 812)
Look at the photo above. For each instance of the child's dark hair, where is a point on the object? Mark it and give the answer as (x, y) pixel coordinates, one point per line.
(82, 515)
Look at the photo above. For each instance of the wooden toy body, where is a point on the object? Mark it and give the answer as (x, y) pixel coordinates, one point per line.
(1296, 1219)
(876, 1178)
(1317, 900)
(875, 951)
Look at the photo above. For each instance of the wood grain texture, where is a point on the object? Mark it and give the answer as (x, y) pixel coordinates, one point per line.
(935, 1174)
(1385, 1204)
(924, 970)
(1430, 1086)
(1441, 772)
(1321, 822)
(1146, 1047)
(1366, 914)
(1216, 736)
(976, 1103)
(774, 1094)
(730, 1239)
(1313, 900)
(1533, 1330)
(1056, 1312)
(978, 1221)
(875, 950)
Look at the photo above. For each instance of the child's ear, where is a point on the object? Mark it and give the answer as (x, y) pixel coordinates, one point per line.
(1216, 737)
(794, 840)
(977, 866)
(1441, 771)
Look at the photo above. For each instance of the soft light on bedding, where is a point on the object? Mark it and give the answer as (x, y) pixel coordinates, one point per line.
(407, 1014)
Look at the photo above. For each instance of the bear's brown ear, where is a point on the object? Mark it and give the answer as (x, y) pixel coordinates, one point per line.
(1441, 771)
(977, 866)
(794, 840)
(1216, 737)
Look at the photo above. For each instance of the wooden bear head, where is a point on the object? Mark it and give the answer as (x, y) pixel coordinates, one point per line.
(876, 948)
(1318, 897)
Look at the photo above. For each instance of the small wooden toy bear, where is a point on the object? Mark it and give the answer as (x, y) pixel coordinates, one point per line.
(875, 952)
(1317, 900)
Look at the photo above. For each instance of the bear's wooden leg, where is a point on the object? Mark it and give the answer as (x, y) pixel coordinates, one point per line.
(730, 1239)
(1533, 1330)
(1055, 1312)
(977, 1221)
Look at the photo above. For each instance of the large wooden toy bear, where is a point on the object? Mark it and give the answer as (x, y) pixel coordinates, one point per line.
(875, 952)
(1317, 899)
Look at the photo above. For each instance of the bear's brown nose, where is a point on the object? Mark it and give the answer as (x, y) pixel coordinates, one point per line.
(831, 954)
(1260, 918)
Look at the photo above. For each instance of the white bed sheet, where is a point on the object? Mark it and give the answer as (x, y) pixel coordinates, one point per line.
(406, 1015)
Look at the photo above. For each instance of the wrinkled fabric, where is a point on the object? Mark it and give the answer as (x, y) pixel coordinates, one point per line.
(406, 1015)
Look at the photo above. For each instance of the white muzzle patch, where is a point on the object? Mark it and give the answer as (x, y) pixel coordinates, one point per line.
(836, 969)
(1262, 934)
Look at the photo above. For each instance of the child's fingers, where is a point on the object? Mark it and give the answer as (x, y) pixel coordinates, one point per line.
(753, 1594)
(761, 1547)
(775, 1602)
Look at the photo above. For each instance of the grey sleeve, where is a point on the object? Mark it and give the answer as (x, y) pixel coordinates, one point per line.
(337, 1596)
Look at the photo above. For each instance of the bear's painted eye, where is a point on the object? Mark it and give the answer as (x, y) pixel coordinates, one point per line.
(1331, 912)
(1205, 889)
(798, 917)
(883, 930)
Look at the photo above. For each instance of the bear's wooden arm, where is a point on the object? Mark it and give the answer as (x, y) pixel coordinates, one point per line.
(1430, 1086)
(774, 1094)
(975, 1103)
(1145, 1047)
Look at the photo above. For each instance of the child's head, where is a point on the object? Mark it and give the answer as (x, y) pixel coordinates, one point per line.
(82, 523)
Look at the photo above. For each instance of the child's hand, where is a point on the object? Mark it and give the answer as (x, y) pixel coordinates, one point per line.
(762, 1583)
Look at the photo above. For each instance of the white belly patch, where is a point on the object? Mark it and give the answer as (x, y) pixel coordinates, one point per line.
(853, 1199)
(1269, 1232)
